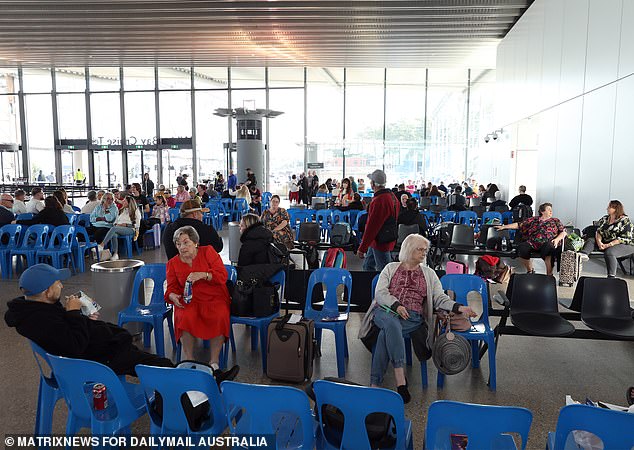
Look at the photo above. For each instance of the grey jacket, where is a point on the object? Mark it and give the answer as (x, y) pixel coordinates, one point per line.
(382, 296)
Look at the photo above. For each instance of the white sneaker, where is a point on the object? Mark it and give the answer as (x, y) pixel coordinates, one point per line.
(114, 257)
(584, 257)
(100, 248)
(104, 255)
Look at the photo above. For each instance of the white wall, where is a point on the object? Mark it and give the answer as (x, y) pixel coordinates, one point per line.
(565, 82)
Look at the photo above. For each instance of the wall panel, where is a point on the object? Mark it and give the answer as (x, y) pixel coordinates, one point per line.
(573, 60)
(626, 56)
(623, 153)
(551, 48)
(604, 33)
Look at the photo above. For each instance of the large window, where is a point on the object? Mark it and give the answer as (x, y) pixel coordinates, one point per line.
(70, 79)
(36, 80)
(106, 132)
(174, 78)
(211, 133)
(138, 78)
(39, 117)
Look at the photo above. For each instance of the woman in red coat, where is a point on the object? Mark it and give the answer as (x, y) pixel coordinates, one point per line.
(206, 316)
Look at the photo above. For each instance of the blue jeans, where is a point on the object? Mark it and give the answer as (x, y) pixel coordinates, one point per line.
(376, 260)
(390, 345)
(113, 234)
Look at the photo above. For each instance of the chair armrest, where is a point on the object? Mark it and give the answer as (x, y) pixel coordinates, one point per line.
(502, 299)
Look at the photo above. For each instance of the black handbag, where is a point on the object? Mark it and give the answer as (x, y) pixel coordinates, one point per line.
(242, 298)
(266, 300)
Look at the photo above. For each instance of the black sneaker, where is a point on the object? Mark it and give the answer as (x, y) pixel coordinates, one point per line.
(222, 375)
(404, 393)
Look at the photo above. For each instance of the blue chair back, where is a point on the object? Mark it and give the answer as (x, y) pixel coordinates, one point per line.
(468, 218)
(340, 216)
(24, 216)
(172, 383)
(232, 273)
(482, 424)
(356, 403)
(40, 355)
(72, 217)
(462, 284)
(76, 208)
(330, 278)
(375, 281)
(356, 222)
(156, 272)
(177, 205)
(266, 199)
(614, 428)
(507, 217)
(489, 215)
(227, 203)
(62, 238)
(83, 220)
(267, 409)
(174, 214)
(447, 216)
(324, 218)
(76, 378)
(280, 278)
(11, 233)
(35, 237)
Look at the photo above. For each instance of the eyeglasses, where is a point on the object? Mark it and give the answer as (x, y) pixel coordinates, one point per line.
(422, 249)
(7, 200)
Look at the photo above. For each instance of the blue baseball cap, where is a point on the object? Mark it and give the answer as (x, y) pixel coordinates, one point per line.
(40, 277)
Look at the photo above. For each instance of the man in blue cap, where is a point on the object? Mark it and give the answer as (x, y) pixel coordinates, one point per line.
(64, 331)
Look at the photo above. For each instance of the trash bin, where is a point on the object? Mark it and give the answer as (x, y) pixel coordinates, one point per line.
(234, 241)
(112, 283)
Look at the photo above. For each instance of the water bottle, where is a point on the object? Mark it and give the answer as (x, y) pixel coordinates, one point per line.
(187, 293)
(504, 245)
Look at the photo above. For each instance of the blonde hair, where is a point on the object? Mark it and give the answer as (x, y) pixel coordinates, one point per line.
(409, 244)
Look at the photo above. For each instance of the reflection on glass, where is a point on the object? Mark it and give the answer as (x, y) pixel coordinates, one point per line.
(71, 161)
(247, 77)
(176, 162)
(9, 83)
(40, 135)
(211, 133)
(286, 139)
(71, 113)
(286, 77)
(10, 166)
(104, 79)
(9, 119)
(176, 117)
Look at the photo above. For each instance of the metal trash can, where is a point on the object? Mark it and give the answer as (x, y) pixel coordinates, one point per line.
(112, 283)
(234, 241)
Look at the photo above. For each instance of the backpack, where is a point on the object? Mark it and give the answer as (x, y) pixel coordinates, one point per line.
(335, 257)
(341, 233)
(522, 212)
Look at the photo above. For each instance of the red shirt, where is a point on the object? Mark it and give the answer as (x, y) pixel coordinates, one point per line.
(383, 205)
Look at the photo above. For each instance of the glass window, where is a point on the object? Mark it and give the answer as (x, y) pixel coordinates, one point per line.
(211, 78)
(106, 119)
(138, 78)
(248, 98)
(174, 77)
(176, 117)
(286, 77)
(481, 121)
(140, 162)
(286, 139)
(176, 162)
(70, 79)
(71, 161)
(10, 166)
(40, 135)
(211, 133)
(36, 80)
(247, 77)
(104, 79)
(9, 119)
(140, 118)
(71, 115)
(9, 83)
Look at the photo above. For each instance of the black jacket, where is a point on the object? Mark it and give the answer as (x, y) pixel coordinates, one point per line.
(48, 216)
(207, 234)
(521, 198)
(408, 217)
(66, 333)
(458, 203)
(256, 241)
(6, 216)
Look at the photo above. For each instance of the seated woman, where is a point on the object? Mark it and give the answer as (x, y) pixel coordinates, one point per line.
(62, 198)
(181, 194)
(160, 212)
(127, 224)
(543, 234)
(346, 194)
(256, 240)
(52, 214)
(411, 291)
(277, 220)
(206, 314)
(355, 204)
(614, 237)
(410, 215)
(103, 216)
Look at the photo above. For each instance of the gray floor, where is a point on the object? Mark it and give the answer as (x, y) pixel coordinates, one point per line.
(532, 372)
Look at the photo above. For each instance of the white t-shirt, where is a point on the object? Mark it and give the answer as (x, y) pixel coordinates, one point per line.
(19, 207)
(34, 206)
(89, 207)
(124, 218)
(294, 187)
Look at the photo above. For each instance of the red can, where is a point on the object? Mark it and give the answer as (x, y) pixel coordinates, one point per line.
(99, 397)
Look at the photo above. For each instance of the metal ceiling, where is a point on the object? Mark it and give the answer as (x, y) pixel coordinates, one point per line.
(321, 33)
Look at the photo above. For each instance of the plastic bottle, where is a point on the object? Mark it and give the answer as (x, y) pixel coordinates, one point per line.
(504, 244)
(187, 292)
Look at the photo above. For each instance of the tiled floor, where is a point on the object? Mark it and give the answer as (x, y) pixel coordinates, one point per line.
(532, 372)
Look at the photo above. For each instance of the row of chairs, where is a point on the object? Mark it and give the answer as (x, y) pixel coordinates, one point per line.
(285, 412)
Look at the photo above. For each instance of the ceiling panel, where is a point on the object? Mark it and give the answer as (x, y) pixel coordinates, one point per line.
(325, 33)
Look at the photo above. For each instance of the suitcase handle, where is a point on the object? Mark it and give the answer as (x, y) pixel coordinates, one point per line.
(280, 325)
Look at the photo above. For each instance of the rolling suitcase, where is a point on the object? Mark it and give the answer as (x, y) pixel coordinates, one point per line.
(290, 350)
(570, 268)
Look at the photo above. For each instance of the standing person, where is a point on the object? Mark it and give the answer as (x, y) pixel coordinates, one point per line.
(205, 315)
(353, 184)
(19, 207)
(127, 224)
(40, 176)
(103, 217)
(293, 190)
(36, 204)
(191, 214)
(383, 209)
(179, 179)
(303, 186)
(614, 237)
(148, 185)
(232, 181)
(50, 177)
(219, 183)
(80, 178)
(523, 198)
(184, 181)
(278, 221)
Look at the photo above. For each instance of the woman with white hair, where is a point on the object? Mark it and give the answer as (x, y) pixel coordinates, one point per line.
(498, 203)
(406, 295)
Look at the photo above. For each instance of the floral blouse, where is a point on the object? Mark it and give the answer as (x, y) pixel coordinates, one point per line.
(272, 221)
(161, 213)
(537, 232)
(410, 288)
(622, 230)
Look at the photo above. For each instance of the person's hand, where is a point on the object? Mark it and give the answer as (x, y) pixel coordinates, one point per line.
(402, 311)
(72, 303)
(467, 311)
(601, 246)
(195, 276)
(175, 298)
(94, 316)
(361, 255)
(499, 227)
(556, 242)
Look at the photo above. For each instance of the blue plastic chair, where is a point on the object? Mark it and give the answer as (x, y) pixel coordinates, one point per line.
(324, 219)
(24, 216)
(35, 238)
(11, 234)
(60, 245)
(280, 410)
(468, 218)
(356, 403)
(266, 199)
(177, 205)
(153, 314)
(174, 214)
(47, 395)
(408, 344)
(240, 208)
(331, 278)
(300, 216)
(172, 383)
(485, 426)
(83, 220)
(614, 428)
(76, 208)
(489, 215)
(507, 217)
(76, 378)
(259, 325)
(462, 285)
(128, 243)
(72, 218)
(82, 246)
(447, 216)
(340, 216)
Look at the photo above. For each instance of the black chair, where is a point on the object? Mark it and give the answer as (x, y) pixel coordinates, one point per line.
(606, 307)
(479, 210)
(533, 306)
(462, 237)
(475, 201)
(577, 298)
(489, 232)
(424, 202)
(309, 232)
(501, 209)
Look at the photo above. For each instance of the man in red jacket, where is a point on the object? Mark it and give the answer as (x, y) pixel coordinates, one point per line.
(384, 206)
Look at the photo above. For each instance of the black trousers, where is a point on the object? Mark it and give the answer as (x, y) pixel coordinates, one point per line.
(125, 361)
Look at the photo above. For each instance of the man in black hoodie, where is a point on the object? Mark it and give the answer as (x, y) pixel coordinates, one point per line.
(65, 331)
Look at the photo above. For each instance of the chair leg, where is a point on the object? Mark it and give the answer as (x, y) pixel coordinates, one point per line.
(254, 338)
(318, 338)
(159, 338)
(170, 325)
(340, 347)
(423, 374)
(440, 381)
(475, 354)
(492, 366)
(232, 339)
(408, 351)
(263, 345)
(147, 335)
(345, 339)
